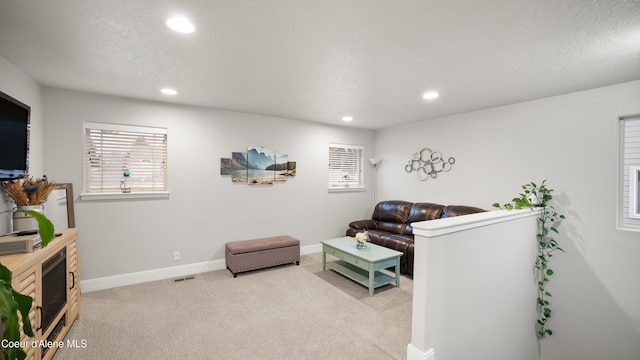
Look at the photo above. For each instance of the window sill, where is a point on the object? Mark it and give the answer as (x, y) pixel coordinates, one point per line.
(122, 196)
(349, 189)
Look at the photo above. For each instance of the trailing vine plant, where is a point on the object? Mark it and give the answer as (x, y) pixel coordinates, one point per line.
(538, 197)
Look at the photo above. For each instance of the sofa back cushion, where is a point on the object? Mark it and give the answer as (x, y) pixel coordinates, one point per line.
(425, 211)
(422, 212)
(457, 210)
(396, 211)
(392, 215)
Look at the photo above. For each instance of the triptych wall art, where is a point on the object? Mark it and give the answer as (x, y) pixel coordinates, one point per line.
(259, 165)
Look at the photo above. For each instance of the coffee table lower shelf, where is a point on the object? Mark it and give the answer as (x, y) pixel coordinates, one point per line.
(359, 275)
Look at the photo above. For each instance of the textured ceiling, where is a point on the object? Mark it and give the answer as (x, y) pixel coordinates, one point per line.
(321, 60)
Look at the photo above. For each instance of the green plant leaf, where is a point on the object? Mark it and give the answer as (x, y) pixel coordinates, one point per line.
(45, 226)
(5, 274)
(24, 305)
(11, 302)
(9, 313)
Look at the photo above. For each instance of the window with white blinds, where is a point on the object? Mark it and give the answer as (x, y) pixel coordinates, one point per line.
(111, 150)
(630, 173)
(345, 167)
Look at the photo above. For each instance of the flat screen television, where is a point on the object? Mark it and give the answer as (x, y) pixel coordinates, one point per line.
(14, 138)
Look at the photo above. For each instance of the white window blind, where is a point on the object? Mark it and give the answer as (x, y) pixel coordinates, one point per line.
(345, 166)
(112, 149)
(629, 165)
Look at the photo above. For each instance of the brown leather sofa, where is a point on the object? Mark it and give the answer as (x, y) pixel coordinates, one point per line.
(390, 225)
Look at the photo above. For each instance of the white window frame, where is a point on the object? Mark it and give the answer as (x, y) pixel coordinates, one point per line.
(107, 184)
(634, 192)
(346, 168)
(629, 173)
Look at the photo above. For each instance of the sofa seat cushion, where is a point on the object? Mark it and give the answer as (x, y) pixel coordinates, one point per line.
(394, 228)
(394, 241)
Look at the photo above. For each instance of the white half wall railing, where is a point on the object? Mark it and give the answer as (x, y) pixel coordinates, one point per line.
(474, 294)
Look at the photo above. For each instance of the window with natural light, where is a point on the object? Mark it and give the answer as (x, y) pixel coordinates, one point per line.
(123, 159)
(345, 167)
(629, 210)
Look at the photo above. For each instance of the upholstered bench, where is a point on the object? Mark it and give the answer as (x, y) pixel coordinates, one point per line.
(255, 254)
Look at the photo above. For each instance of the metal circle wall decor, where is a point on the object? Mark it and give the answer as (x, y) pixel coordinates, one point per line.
(428, 164)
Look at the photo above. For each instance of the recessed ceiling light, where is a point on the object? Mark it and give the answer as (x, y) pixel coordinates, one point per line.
(430, 95)
(181, 25)
(168, 91)
(347, 118)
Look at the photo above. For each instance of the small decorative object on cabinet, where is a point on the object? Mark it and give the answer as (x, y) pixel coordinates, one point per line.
(49, 276)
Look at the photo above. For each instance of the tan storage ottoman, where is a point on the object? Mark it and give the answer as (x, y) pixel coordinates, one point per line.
(254, 254)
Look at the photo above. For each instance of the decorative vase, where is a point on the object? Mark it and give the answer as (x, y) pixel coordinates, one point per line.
(361, 239)
(22, 221)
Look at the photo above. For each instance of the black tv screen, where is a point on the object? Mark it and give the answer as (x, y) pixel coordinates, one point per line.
(14, 138)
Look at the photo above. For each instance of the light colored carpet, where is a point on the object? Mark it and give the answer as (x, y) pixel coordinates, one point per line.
(285, 312)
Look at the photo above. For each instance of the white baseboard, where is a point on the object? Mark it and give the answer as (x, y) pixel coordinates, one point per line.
(149, 275)
(413, 353)
(310, 249)
(166, 273)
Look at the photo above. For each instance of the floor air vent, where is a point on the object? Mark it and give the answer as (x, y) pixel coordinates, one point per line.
(184, 279)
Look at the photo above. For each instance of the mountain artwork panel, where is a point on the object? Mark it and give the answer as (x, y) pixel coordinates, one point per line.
(259, 165)
(236, 167)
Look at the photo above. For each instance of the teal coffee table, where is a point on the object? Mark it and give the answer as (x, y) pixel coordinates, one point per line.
(361, 265)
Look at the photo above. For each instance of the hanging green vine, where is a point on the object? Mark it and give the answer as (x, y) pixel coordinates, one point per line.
(534, 196)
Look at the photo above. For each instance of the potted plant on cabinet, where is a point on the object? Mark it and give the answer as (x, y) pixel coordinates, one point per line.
(29, 195)
(534, 196)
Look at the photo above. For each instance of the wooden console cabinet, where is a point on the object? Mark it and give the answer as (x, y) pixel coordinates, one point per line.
(26, 270)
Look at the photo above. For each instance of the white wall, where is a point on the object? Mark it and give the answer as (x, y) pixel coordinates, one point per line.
(572, 141)
(205, 209)
(18, 85)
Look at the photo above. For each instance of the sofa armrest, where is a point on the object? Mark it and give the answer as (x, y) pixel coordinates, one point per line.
(367, 224)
